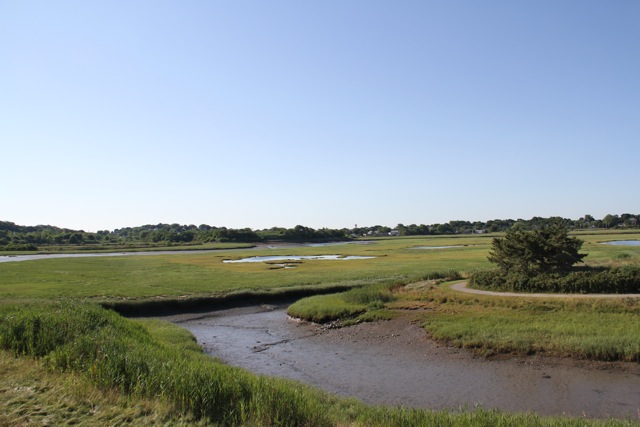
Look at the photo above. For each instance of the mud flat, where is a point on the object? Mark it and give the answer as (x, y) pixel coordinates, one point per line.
(394, 363)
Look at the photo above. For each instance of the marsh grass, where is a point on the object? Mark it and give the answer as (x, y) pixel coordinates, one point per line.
(187, 275)
(366, 303)
(595, 329)
(33, 395)
(119, 354)
(325, 308)
(184, 276)
(465, 417)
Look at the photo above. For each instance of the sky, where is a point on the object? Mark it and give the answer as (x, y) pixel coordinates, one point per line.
(325, 114)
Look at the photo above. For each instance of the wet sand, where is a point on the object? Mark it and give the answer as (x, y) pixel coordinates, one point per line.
(394, 363)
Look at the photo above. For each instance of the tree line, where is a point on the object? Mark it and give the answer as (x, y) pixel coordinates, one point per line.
(19, 237)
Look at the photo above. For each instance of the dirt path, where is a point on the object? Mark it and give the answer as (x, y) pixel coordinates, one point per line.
(462, 287)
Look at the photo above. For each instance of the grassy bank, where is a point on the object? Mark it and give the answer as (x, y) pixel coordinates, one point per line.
(367, 303)
(152, 360)
(594, 329)
(85, 365)
(604, 330)
(33, 395)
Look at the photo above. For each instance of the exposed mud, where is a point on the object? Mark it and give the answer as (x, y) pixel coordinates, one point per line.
(394, 363)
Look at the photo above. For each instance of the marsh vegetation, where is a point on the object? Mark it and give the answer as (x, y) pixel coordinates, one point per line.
(50, 320)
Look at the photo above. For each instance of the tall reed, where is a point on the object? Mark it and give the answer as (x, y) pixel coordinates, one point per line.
(115, 352)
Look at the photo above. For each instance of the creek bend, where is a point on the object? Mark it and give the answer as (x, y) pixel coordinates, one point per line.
(394, 363)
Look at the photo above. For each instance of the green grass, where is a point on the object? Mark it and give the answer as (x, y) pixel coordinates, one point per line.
(585, 329)
(33, 395)
(366, 303)
(325, 308)
(115, 353)
(194, 275)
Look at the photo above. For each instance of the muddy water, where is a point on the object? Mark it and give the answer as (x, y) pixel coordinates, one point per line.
(393, 363)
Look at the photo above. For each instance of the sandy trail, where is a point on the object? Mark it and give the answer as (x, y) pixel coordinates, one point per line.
(462, 287)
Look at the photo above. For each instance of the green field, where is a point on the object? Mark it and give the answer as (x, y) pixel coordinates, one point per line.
(146, 384)
(190, 275)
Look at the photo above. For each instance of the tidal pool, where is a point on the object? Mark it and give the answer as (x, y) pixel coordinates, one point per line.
(623, 243)
(295, 258)
(393, 363)
(436, 247)
(356, 242)
(15, 258)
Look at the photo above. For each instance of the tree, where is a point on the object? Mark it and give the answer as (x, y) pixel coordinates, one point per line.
(549, 249)
(75, 238)
(610, 221)
(404, 231)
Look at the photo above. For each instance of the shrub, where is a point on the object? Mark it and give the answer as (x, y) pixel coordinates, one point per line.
(549, 249)
(19, 247)
(618, 280)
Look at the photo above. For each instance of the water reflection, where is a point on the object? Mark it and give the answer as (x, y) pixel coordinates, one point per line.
(436, 247)
(623, 243)
(296, 258)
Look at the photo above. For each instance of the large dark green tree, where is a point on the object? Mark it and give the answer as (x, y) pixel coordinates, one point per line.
(549, 249)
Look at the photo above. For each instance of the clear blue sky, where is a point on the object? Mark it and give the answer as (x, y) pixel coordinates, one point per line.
(326, 113)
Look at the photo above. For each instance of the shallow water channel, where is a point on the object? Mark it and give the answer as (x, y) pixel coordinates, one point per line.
(267, 258)
(393, 363)
(623, 243)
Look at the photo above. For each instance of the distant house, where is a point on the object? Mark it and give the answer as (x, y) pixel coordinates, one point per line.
(394, 233)
(474, 231)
